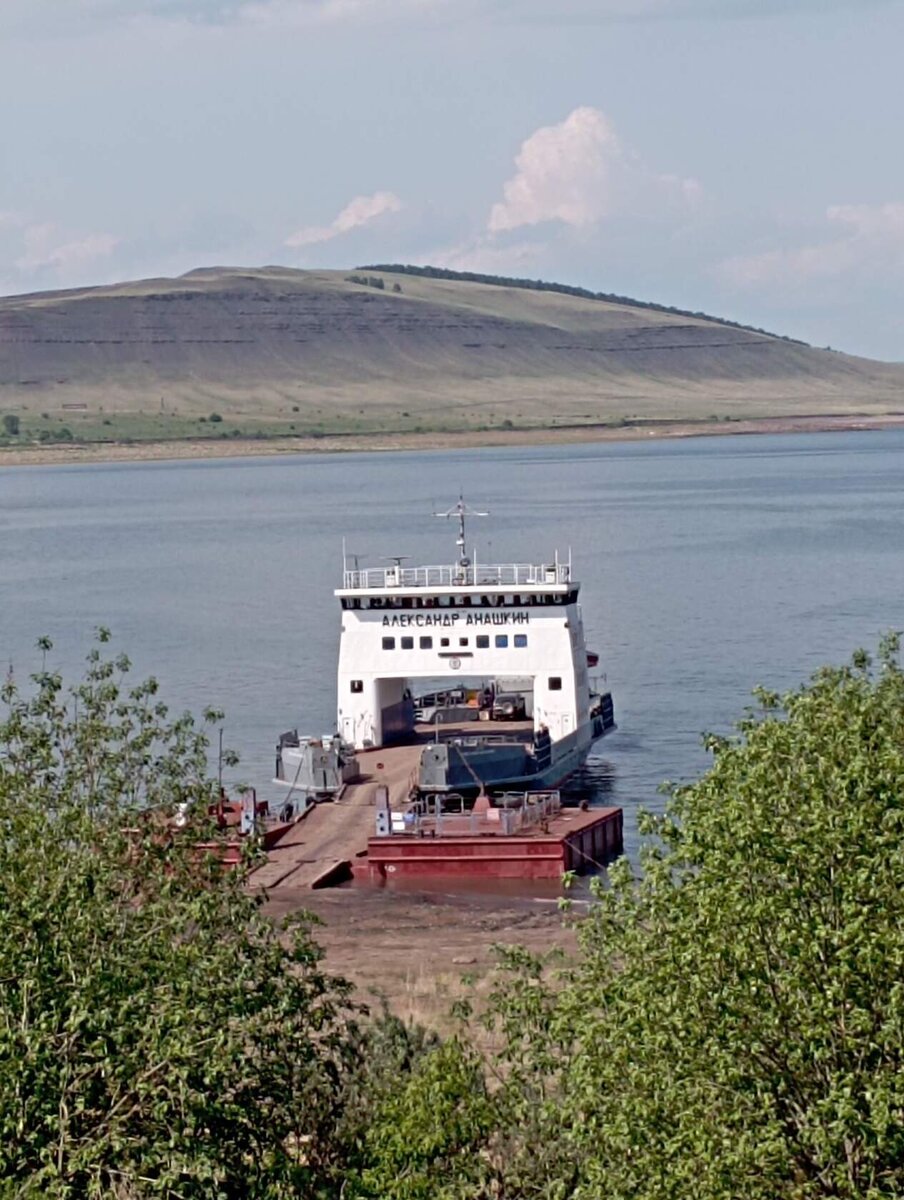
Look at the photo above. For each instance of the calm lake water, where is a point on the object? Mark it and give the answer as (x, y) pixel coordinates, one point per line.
(707, 565)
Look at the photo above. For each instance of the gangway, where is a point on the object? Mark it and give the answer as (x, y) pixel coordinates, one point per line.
(319, 849)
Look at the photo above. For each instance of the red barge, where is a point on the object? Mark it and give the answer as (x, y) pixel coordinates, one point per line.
(538, 839)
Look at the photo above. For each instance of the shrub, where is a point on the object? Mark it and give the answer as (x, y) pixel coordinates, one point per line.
(158, 1034)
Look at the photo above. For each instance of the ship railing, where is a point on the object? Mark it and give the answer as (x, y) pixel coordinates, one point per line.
(515, 813)
(476, 575)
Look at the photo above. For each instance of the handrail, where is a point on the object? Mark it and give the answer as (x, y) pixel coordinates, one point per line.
(555, 574)
(535, 808)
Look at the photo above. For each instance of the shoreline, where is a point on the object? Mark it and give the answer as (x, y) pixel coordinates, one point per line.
(191, 449)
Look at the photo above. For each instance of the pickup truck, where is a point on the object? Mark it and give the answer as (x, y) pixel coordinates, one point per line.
(509, 706)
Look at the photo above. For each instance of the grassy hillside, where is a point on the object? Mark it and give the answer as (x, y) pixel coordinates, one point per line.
(279, 351)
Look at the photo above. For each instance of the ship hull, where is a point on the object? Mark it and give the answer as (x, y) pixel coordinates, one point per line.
(467, 767)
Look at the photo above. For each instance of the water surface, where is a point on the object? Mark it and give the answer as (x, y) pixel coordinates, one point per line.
(707, 566)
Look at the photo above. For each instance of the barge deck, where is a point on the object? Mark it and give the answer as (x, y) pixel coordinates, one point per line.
(337, 840)
(569, 840)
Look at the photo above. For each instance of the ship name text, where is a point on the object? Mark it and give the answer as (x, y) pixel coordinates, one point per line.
(448, 619)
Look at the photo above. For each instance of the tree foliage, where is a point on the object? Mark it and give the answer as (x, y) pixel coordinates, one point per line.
(734, 1024)
(158, 1035)
(732, 1027)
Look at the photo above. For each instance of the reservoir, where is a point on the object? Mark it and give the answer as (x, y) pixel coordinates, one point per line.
(707, 566)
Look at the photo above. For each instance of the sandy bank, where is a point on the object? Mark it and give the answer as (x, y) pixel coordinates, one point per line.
(383, 442)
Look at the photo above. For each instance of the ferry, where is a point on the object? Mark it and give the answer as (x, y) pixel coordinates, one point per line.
(511, 703)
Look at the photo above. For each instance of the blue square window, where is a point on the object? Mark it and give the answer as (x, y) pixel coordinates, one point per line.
(521, 639)
(502, 640)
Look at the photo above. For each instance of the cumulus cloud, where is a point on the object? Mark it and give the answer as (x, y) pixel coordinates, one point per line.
(360, 211)
(865, 238)
(579, 173)
(484, 255)
(46, 247)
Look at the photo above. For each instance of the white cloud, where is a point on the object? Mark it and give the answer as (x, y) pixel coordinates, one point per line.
(485, 256)
(589, 12)
(46, 247)
(561, 174)
(360, 211)
(51, 19)
(578, 173)
(314, 12)
(862, 238)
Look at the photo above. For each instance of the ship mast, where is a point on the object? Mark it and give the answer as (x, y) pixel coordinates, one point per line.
(461, 510)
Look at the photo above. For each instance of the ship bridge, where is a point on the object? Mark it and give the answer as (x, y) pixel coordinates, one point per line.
(466, 627)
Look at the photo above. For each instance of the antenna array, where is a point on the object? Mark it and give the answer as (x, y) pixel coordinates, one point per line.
(461, 510)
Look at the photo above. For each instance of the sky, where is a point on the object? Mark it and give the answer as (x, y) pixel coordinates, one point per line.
(737, 157)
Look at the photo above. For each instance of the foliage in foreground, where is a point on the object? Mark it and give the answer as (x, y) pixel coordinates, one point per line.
(158, 1034)
(733, 1025)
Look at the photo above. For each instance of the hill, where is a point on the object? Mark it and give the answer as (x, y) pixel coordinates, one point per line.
(281, 351)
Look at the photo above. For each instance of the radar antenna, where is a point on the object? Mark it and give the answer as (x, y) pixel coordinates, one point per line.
(461, 510)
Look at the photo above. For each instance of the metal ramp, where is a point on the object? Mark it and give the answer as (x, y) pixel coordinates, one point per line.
(320, 848)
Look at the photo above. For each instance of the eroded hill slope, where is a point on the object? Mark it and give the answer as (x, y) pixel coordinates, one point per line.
(279, 350)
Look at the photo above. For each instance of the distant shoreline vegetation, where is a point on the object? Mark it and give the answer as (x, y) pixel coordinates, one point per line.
(541, 285)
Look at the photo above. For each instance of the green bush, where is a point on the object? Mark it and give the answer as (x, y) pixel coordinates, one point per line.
(735, 1023)
(158, 1035)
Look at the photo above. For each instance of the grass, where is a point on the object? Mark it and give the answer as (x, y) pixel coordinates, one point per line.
(98, 427)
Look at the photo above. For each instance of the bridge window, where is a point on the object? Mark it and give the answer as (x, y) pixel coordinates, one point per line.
(555, 683)
(388, 643)
(357, 685)
(521, 640)
(444, 641)
(407, 643)
(483, 641)
(426, 643)
(502, 640)
(462, 641)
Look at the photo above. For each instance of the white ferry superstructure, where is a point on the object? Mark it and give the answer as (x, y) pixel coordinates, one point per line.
(470, 629)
